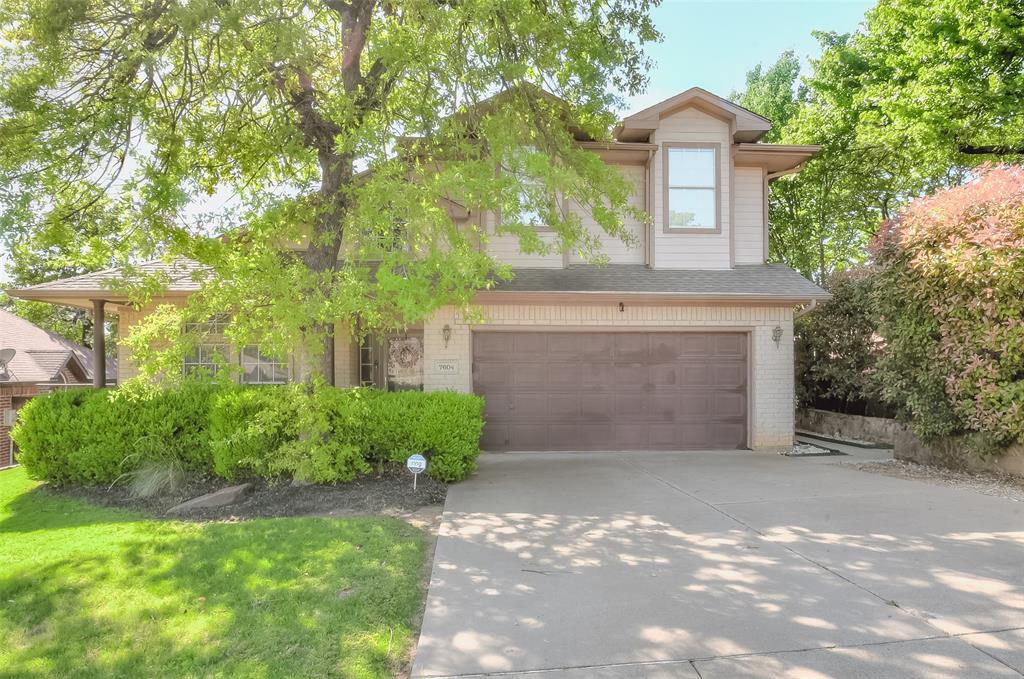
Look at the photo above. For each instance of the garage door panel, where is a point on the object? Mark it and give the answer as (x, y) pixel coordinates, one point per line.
(563, 345)
(597, 407)
(631, 405)
(564, 436)
(694, 344)
(612, 390)
(631, 437)
(730, 345)
(597, 375)
(495, 436)
(694, 435)
(729, 375)
(496, 406)
(592, 346)
(489, 377)
(630, 374)
(528, 343)
(694, 404)
(632, 347)
(662, 436)
(694, 374)
(595, 436)
(728, 405)
(563, 407)
(527, 437)
(727, 434)
(563, 375)
(664, 348)
(665, 407)
(492, 344)
(530, 406)
(529, 374)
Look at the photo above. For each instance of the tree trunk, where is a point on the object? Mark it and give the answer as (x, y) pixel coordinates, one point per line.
(322, 254)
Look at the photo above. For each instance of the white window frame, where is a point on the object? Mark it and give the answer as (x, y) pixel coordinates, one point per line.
(715, 187)
(262, 360)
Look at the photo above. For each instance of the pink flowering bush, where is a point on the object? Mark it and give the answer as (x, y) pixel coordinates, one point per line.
(950, 298)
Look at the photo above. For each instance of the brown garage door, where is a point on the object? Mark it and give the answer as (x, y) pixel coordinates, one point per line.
(612, 390)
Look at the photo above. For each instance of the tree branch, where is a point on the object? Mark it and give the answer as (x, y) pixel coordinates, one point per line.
(991, 150)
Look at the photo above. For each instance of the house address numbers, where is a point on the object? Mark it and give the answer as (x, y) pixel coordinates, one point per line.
(446, 366)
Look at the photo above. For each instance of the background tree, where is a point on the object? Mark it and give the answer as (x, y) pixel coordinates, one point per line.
(310, 119)
(900, 111)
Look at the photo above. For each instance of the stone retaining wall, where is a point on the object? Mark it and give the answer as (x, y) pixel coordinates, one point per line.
(950, 453)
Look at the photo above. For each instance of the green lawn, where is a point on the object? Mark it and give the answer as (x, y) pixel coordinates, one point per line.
(87, 591)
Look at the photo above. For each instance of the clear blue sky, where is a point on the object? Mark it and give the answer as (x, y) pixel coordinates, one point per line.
(713, 44)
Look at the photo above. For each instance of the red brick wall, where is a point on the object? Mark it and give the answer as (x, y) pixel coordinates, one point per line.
(8, 393)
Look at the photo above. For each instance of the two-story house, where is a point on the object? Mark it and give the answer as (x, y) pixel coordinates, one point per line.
(683, 341)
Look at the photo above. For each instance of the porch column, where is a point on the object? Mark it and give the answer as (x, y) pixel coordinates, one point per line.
(99, 353)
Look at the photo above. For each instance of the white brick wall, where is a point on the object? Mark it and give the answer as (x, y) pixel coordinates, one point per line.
(771, 404)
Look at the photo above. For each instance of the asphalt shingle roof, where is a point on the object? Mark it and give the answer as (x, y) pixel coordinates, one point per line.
(181, 273)
(762, 281)
(40, 355)
(753, 280)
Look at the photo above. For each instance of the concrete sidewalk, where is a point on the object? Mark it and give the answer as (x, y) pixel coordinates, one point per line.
(720, 565)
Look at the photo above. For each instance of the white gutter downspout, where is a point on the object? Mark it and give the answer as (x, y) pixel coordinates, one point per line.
(783, 173)
(648, 208)
(806, 310)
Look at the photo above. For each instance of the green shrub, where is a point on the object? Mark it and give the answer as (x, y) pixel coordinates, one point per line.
(837, 348)
(319, 434)
(93, 436)
(247, 426)
(951, 309)
(325, 434)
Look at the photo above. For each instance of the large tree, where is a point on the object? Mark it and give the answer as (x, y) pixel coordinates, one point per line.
(908, 104)
(821, 219)
(352, 128)
(943, 77)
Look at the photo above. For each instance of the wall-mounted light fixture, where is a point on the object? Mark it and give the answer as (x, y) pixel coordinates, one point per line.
(777, 334)
(622, 307)
(446, 334)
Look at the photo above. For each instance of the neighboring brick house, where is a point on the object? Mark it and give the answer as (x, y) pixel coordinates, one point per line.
(41, 361)
(683, 342)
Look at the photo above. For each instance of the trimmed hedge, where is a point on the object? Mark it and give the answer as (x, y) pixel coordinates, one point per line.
(320, 434)
(92, 436)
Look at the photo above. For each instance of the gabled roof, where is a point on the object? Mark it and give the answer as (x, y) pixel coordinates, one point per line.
(41, 356)
(748, 126)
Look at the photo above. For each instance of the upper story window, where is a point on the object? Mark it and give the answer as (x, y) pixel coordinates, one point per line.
(532, 192)
(691, 188)
(528, 214)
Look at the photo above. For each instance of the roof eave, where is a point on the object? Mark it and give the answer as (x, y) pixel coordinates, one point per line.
(611, 296)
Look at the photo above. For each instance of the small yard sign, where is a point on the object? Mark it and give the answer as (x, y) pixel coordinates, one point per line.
(417, 464)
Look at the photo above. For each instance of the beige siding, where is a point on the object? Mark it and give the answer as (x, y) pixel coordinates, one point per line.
(617, 251)
(749, 205)
(771, 392)
(126, 369)
(505, 249)
(691, 250)
(346, 357)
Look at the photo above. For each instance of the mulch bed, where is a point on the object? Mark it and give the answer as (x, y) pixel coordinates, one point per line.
(387, 493)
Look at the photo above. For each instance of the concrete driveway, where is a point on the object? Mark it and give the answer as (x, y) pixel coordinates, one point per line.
(720, 565)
